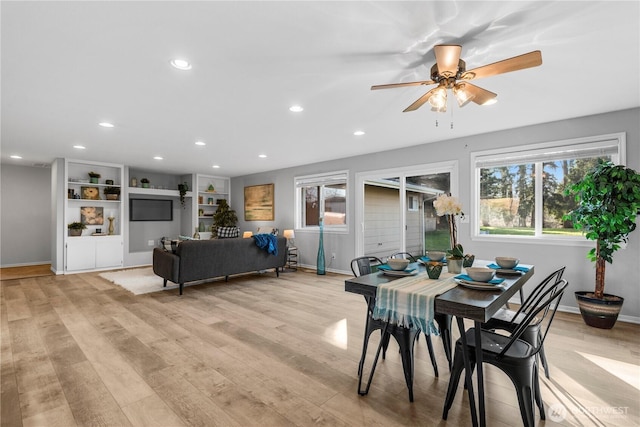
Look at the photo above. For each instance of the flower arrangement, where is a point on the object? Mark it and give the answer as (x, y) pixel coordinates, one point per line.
(450, 206)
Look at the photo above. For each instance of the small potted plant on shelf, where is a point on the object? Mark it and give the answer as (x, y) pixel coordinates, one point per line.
(112, 193)
(183, 188)
(93, 177)
(144, 182)
(608, 205)
(75, 228)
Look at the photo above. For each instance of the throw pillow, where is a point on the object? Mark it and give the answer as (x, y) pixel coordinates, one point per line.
(228, 232)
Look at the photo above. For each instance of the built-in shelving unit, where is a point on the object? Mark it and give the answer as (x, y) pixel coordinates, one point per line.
(210, 190)
(100, 244)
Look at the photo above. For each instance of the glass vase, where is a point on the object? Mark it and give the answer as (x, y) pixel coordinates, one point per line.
(320, 268)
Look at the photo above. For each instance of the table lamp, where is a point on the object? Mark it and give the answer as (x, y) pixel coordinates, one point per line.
(289, 235)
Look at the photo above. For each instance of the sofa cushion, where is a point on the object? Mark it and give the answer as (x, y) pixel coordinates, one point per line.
(228, 232)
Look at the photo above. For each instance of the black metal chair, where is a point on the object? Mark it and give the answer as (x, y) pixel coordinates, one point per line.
(509, 320)
(514, 356)
(364, 265)
(443, 321)
(405, 337)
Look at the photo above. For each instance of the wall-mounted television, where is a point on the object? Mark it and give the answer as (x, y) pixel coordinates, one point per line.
(150, 210)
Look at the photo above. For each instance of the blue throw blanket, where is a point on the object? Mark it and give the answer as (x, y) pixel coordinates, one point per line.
(268, 242)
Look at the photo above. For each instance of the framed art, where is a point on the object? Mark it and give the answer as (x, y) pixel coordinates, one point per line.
(258, 203)
(91, 193)
(92, 215)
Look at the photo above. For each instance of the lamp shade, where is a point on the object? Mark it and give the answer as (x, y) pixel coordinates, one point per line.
(247, 234)
(289, 234)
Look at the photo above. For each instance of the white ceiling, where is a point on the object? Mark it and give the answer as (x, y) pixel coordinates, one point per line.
(68, 65)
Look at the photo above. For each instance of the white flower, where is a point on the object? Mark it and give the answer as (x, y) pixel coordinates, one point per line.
(447, 205)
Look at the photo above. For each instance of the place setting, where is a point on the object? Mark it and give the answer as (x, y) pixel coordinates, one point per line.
(398, 267)
(508, 266)
(480, 278)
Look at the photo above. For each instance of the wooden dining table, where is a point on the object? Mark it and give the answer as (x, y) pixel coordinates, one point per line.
(461, 302)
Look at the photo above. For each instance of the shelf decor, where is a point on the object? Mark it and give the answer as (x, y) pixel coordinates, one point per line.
(258, 203)
(92, 215)
(90, 193)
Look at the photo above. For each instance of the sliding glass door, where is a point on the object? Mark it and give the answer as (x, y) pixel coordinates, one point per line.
(394, 210)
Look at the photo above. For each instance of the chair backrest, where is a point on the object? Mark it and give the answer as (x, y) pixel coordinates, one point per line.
(545, 310)
(362, 265)
(405, 255)
(550, 281)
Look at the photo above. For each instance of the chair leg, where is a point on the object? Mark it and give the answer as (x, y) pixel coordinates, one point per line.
(538, 395)
(432, 354)
(373, 367)
(543, 361)
(444, 323)
(454, 379)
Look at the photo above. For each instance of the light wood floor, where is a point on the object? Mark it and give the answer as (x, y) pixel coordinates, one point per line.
(267, 351)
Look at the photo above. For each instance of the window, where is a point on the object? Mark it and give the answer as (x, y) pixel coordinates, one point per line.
(322, 196)
(520, 193)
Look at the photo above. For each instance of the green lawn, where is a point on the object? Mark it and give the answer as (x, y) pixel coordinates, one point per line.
(523, 231)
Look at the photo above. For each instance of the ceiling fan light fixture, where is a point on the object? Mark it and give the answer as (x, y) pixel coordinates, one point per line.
(462, 95)
(490, 101)
(438, 99)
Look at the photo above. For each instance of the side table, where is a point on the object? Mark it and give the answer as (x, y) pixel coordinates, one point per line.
(292, 259)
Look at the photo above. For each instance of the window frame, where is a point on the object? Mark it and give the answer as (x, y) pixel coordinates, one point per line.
(320, 180)
(537, 154)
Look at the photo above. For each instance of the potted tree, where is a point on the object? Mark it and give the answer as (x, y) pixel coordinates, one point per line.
(112, 193)
(75, 228)
(608, 204)
(224, 216)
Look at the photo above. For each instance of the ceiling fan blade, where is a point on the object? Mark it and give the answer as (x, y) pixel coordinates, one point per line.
(480, 96)
(394, 85)
(528, 60)
(420, 101)
(447, 58)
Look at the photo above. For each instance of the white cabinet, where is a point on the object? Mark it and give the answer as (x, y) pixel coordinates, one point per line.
(210, 190)
(93, 252)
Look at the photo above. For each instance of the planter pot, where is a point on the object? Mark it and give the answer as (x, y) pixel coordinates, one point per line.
(454, 265)
(599, 313)
(93, 180)
(468, 260)
(434, 269)
(112, 196)
(75, 232)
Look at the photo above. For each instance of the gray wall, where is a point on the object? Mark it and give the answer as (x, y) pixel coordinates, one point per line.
(580, 271)
(25, 215)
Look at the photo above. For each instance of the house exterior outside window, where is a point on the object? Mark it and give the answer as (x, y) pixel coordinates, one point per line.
(322, 196)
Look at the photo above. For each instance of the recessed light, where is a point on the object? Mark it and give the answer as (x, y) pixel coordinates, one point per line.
(200, 143)
(359, 133)
(262, 156)
(106, 124)
(15, 156)
(181, 64)
(157, 158)
(80, 147)
(296, 108)
(216, 166)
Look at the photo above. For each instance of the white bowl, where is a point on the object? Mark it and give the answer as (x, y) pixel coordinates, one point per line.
(435, 255)
(507, 262)
(480, 274)
(398, 263)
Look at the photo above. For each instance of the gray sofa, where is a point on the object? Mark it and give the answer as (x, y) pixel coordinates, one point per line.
(205, 259)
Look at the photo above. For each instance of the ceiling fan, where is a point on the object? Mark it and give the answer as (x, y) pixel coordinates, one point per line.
(449, 72)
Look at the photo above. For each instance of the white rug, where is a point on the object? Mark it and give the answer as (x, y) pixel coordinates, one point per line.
(138, 280)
